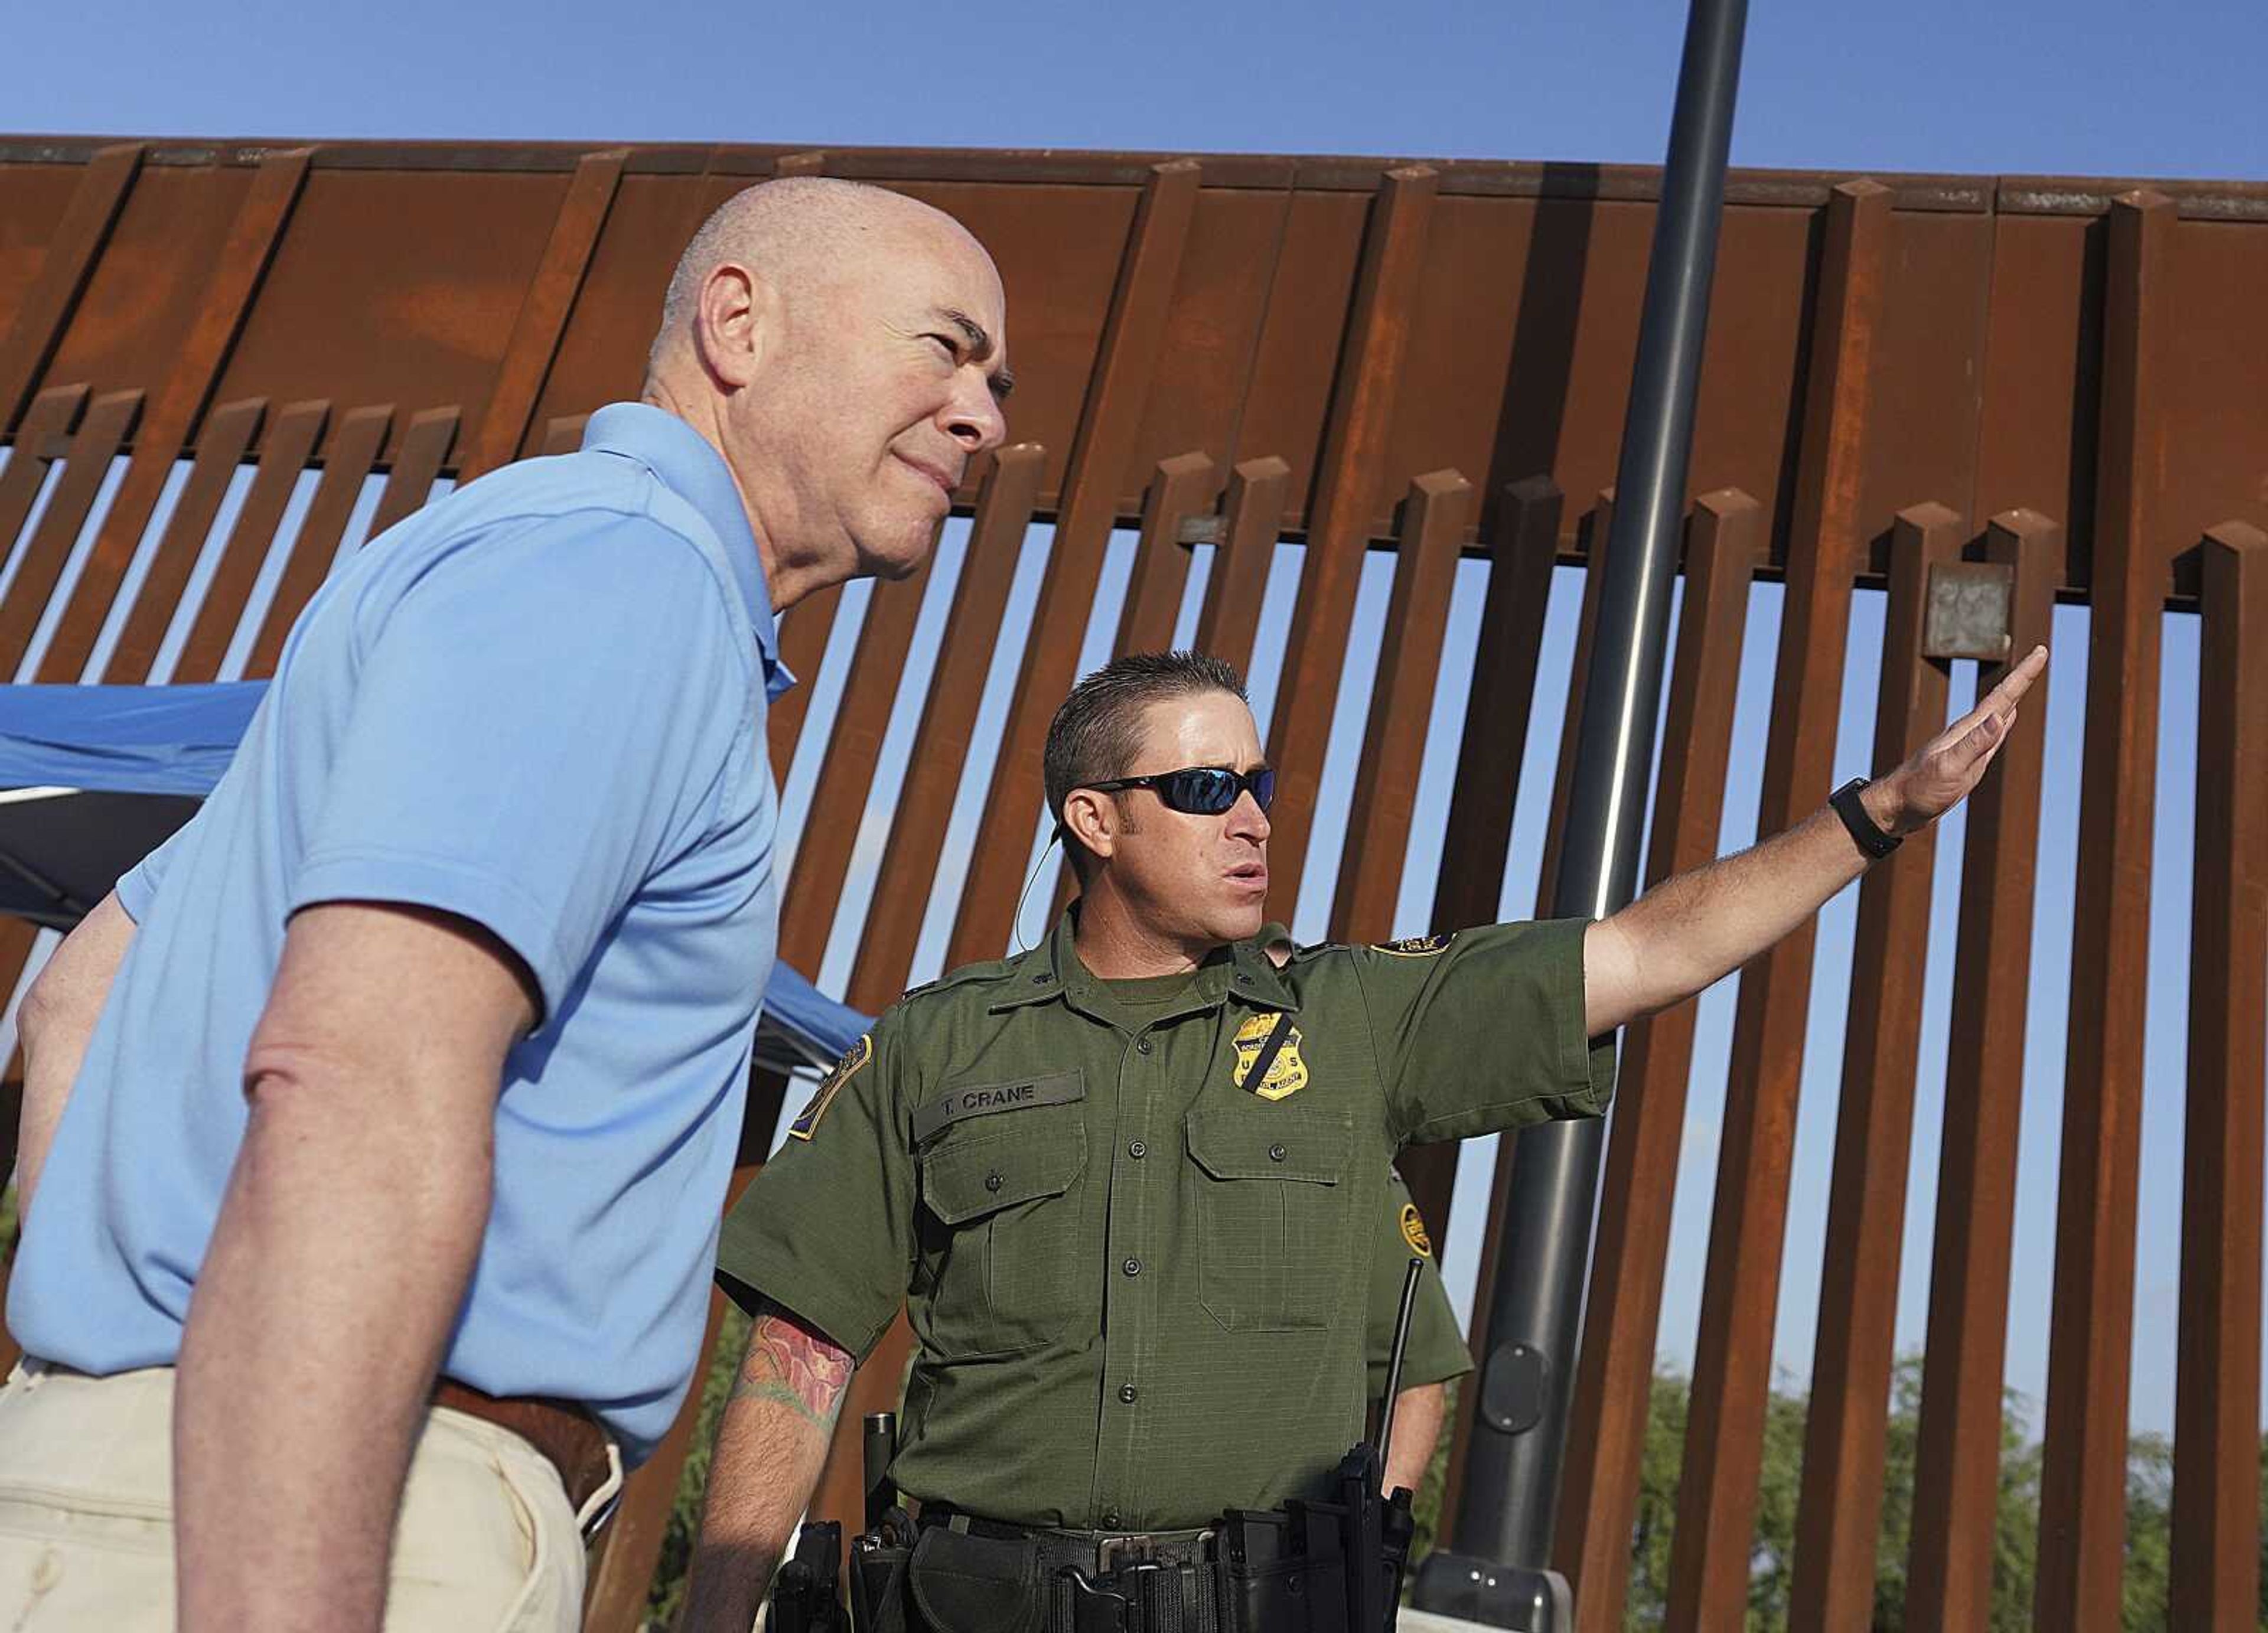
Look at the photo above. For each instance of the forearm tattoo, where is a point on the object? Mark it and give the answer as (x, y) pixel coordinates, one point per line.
(789, 1363)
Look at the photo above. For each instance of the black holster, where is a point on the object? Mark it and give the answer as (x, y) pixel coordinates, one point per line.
(965, 1584)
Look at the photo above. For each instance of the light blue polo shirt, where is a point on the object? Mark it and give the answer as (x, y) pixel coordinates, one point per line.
(537, 703)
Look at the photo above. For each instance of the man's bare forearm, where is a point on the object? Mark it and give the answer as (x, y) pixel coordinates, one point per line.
(335, 1272)
(55, 1022)
(770, 1449)
(1691, 931)
(1695, 928)
(338, 1264)
(1417, 1414)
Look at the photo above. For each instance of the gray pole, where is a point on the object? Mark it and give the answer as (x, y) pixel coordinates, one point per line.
(1512, 1473)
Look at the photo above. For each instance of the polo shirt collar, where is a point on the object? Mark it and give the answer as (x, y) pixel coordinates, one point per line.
(683, 461)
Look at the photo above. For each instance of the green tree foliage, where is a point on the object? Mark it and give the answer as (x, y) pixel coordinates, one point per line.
(2149, 1488)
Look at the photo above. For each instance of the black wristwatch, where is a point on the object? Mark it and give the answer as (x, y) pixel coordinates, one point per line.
(1870, 839)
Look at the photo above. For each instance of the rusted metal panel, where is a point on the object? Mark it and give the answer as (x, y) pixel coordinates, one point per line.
(1229, 621)
(147, 286)
(2216, 1499)
(2213, 414)
(1957, 1464)
(536, 332)
(2042, 377)
(52, 415)
(254, 232)
(924, 808)
(1401, 697)
(1732, 1369)
(408, 284)
(1937, 270)
(1119, 392)
(602, 349)
(424, 448)
(1839, 1509)
(1614, 1372)
(1354, 447)
(2083, 1465)
(1213, 328)
(854, 749)
(803, 633)
(1183, 486)
(229, 433)
(316, 547)
(291, 439)
(92, 447)
(67, 261)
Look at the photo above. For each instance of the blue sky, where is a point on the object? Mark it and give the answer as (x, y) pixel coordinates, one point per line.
(2080, 88)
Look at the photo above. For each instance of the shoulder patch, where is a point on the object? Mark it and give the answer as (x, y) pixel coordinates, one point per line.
(855, 1057)
(1415, 947)
(1413, 1231)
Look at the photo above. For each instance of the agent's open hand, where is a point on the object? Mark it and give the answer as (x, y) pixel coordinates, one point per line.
(1947, 769)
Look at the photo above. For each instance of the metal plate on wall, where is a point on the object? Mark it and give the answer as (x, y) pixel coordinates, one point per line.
(1968, 611)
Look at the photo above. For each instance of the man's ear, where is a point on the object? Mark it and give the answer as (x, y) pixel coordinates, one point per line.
(1091, 818)
(735, 323)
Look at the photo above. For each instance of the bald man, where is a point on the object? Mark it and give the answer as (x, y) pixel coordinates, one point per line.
(376, 1129)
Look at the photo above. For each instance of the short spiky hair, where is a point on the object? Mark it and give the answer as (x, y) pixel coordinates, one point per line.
(1097, 732)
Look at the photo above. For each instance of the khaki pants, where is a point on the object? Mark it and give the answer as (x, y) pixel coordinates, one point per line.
(485, 1538)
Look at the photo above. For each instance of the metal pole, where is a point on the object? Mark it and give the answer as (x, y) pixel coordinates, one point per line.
(1511, 1474)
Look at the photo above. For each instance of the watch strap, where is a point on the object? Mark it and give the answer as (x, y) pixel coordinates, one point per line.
(1870, 839)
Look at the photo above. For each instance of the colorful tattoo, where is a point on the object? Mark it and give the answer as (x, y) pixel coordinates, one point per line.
(789, 1363)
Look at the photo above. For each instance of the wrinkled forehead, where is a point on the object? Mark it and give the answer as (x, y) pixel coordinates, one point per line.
(930, 261)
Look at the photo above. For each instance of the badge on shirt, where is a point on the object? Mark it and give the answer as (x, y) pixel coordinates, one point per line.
(1268, 1059)
(1413, 1231)
(807, 1121)
(1415, 947)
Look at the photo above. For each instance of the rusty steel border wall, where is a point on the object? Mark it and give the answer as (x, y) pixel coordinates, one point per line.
(2065, 377)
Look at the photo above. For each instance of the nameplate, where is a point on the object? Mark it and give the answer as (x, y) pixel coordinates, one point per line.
(983, 1099)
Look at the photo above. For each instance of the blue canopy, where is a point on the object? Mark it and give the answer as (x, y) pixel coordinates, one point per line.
(106, 772)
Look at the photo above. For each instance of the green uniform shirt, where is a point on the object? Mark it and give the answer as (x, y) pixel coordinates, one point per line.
(1138, 1270)
(1436, 1351)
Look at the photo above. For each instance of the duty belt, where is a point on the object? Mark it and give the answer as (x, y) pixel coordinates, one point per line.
(1116, 1582)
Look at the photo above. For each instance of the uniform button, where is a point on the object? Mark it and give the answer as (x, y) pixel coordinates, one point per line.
(1243, 980)
(992, 1181)
(1110, 1521)
(1132, 1267)
(1276, 1153)
(1039, 981)
(1129, 1394)
(1136, 1148)
(1143, 1045)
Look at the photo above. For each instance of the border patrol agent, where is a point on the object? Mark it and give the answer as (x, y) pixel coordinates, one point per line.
(1127, 1183)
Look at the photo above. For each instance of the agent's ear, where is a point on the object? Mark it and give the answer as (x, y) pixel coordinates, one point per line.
(736, 323)
(1091, 818)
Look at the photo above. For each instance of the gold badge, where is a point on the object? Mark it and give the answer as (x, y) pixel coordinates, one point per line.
(1413, 1229)
(807, 1121)
(1414, 946)
(1285, 1075)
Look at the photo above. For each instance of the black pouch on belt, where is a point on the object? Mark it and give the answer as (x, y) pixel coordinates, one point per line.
(965, 1584)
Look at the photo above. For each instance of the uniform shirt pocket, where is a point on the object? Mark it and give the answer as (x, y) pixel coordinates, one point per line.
(1001, 1232)
(1270, 1214)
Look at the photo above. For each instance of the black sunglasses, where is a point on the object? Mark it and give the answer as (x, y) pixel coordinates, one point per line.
(1200, 791)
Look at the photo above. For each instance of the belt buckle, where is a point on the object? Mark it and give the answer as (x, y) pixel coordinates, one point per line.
(1135, 1547)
